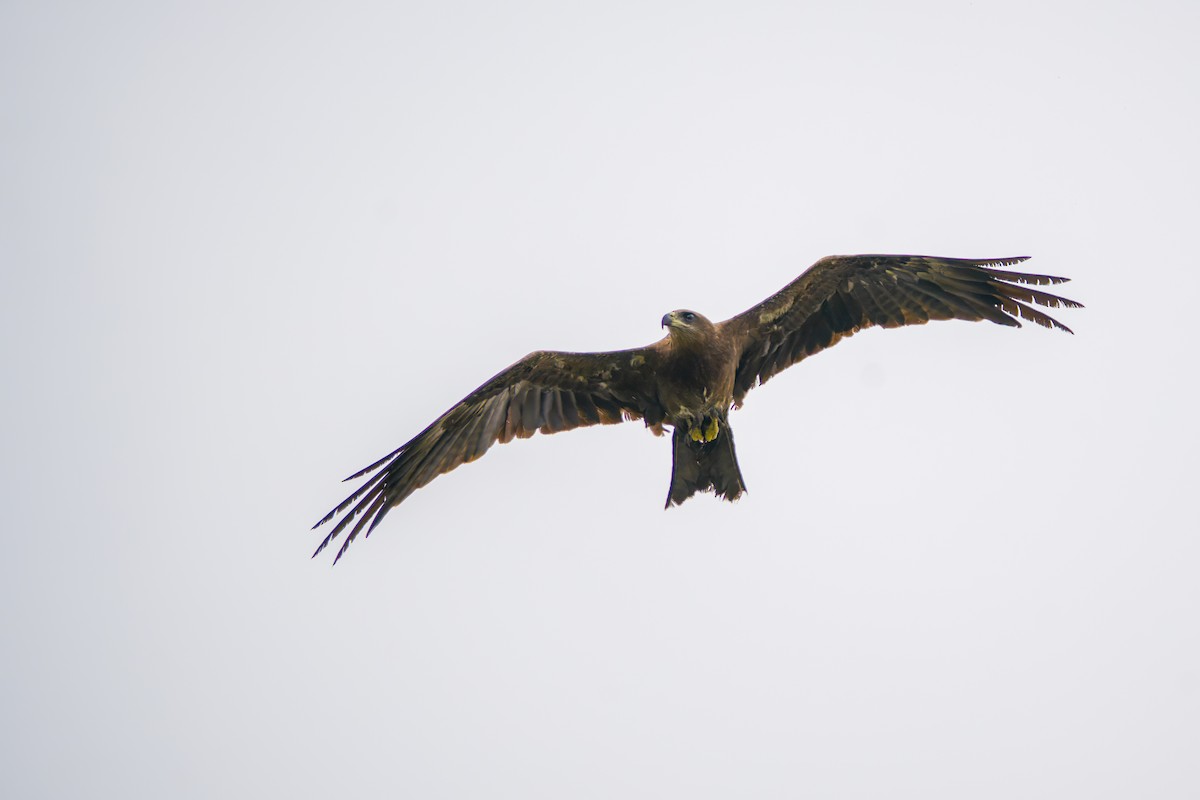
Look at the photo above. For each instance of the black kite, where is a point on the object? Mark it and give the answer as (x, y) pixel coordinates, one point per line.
(690, 379)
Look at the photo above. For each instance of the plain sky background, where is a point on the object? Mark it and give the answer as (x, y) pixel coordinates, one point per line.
(249, 247)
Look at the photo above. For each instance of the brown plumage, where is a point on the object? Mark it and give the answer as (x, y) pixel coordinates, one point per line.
(692, 378)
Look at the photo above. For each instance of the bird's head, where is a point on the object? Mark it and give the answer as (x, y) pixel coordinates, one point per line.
(686, 324)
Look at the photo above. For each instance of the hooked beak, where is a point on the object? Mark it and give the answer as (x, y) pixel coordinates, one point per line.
(666, 320)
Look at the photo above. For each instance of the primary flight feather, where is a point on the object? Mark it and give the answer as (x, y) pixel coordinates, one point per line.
(691, 379)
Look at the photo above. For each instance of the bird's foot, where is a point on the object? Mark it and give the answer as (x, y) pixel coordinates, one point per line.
(705, 433)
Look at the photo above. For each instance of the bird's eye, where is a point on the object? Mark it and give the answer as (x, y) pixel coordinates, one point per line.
(689, 317)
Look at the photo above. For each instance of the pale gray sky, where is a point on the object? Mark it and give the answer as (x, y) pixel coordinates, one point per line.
(249, 247)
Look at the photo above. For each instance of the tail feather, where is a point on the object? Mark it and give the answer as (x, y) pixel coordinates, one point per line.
(699, 466)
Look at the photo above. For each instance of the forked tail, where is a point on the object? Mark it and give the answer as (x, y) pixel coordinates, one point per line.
(700, 466)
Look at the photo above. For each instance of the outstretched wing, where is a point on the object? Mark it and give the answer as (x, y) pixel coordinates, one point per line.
(840, 295)
(545, 391)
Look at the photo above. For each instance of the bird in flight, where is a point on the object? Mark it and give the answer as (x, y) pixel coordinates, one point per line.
(689, 380)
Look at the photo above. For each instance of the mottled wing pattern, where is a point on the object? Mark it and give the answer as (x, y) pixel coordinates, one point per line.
(545, 391)
(840, 295)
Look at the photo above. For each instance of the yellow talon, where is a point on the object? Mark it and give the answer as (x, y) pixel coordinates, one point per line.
(705, 433)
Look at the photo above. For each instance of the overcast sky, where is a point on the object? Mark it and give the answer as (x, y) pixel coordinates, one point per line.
(247, 248)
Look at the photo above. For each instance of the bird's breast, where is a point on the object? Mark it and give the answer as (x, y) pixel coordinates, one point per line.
(692, 388)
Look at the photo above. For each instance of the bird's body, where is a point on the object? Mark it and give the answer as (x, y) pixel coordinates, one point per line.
(697, 369)
(691, 379)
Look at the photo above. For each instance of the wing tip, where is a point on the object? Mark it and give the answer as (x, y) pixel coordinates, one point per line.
(1006, 261)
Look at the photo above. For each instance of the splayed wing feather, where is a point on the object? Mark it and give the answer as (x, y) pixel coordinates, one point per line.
(545, 391)
(840, 295)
